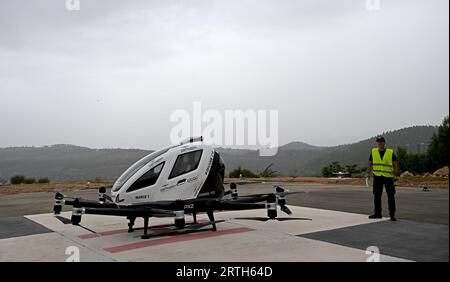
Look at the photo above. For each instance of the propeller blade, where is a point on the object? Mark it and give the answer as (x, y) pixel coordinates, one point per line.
(230, 205)
(276, 193)
(291, 193)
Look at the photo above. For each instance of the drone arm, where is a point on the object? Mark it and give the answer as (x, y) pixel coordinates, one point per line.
(232, 206)
(79, 209)
(115, 211)
(89, 203)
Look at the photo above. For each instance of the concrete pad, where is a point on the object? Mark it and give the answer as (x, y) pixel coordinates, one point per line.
(408, 239)
(320, 220)
(250, 247)
(235, 240)
(20, 226)
(44, 248)
(101, 223)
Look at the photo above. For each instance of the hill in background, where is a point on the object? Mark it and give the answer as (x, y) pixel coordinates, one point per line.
(66, 162)
(300, 159)
(72, 163)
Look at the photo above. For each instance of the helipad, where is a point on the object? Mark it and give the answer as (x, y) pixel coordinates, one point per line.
(316, 235)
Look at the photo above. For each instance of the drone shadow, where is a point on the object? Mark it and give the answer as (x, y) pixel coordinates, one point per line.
(192, 228)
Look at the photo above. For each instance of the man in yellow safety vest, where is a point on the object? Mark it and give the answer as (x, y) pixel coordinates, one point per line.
(383, 165)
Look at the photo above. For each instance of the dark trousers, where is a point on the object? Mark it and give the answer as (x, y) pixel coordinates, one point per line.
(378, 182)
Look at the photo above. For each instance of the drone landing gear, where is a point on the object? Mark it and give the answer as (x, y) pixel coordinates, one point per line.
(131, 219)
(212, 220)
(194, 215)
(145, 226)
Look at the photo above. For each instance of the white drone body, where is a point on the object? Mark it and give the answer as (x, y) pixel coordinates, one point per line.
(174, 173)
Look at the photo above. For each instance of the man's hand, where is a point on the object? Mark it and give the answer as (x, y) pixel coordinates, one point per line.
(395, 168)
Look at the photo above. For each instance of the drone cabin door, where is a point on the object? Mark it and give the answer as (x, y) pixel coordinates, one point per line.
(186, 174)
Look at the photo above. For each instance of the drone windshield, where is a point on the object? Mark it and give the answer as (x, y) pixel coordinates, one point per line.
(136, 167)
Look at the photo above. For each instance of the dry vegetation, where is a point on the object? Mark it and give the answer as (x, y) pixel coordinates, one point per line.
(413, 181)
(421, 181)
(303, 179)
(49, 187)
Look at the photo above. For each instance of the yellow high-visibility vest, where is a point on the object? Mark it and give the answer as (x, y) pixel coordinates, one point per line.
(383, 167)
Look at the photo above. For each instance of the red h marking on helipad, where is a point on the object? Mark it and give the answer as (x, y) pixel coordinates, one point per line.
(113, 232)
(176, 238)
(163, 227)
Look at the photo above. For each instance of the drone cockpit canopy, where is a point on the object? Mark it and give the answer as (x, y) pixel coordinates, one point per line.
(184, 171)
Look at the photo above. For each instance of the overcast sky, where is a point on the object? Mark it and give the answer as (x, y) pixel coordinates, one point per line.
(110, 74)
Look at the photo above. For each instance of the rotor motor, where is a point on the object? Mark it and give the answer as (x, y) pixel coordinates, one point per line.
(271, 206)
(77, 212)
(102, 195)
(57, 206)
(234, 192)
(180, 221)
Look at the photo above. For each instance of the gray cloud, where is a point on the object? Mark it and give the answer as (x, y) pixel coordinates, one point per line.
(110, 74)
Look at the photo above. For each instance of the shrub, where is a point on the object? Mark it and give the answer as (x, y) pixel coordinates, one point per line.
(438, 151)
(245, 173)
(44, 180)
(30, 181)
(17, 179)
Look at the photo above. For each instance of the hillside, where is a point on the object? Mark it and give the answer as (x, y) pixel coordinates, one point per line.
(72, 163)
(66, 162)
(298, 158)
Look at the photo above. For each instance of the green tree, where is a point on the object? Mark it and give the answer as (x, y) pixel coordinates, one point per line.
(351, 169)
(248, 173)
(17, 179)
(331, 168)
(402, 157)
(335, 167)
(326, 171)
(44, 180)
(416, 163)
(237, 172)
(438, 150)
(268, 172)
(30, 181)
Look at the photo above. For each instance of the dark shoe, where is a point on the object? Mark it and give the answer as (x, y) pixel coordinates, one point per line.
(393, 218)
(375, 216)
